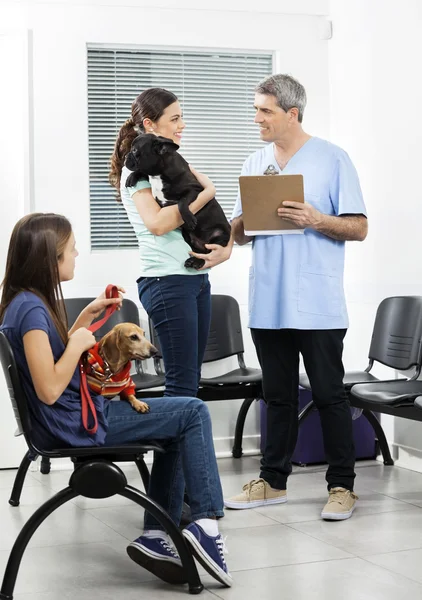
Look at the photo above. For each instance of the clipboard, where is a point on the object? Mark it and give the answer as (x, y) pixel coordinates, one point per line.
(262, 195)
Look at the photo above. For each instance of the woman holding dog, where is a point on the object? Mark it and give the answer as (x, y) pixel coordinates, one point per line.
(177, 299)
(33, 318)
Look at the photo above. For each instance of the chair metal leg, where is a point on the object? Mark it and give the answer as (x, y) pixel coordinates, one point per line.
(45, 465)
(20, 478)
(306, 410)
(143, 472)
(28, 530)
(194, 582)
(379, 433)
(240, 425)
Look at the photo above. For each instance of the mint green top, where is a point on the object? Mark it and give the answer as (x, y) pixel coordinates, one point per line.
(160, 255)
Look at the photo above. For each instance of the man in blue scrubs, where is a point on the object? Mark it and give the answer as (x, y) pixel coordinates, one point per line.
(296, 298)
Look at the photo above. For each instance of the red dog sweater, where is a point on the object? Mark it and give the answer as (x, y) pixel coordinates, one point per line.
(102, 381)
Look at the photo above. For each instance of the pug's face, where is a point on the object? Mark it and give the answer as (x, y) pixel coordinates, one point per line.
(147, 153)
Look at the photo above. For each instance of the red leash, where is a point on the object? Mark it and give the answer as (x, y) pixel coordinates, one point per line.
(88, 405)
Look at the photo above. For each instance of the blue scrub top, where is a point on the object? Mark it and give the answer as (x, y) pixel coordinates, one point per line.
(296, 281)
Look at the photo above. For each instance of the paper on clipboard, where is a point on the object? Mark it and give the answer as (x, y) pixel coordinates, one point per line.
(262, 195)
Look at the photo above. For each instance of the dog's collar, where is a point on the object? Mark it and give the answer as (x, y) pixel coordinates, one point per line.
(103, 370)
(106, 373)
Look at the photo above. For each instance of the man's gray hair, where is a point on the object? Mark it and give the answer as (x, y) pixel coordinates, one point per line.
(288, 92)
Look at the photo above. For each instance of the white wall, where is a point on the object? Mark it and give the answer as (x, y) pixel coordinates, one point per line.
(61, 31)
(15, 182)
(376, 94)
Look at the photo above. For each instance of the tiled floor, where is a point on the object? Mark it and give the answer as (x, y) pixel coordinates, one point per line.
(280, 552)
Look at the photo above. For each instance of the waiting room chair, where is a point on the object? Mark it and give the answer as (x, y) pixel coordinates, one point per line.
(404, 345)
(396, 343)
(225, 339)
(95, 475)
(143, 381)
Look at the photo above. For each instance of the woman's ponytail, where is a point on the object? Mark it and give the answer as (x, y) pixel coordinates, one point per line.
(150, 104)
(123, 144)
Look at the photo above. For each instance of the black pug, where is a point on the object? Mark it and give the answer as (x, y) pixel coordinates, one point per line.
(157, 156)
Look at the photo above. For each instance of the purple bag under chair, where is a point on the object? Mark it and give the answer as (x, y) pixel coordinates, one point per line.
(310, 448)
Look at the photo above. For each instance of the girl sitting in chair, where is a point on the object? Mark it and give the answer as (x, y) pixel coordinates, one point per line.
(41, 255)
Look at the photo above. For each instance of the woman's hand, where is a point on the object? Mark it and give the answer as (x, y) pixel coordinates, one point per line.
(207, 184)
(160, 221)
(97, 306)
(217, 255)
(82, 340)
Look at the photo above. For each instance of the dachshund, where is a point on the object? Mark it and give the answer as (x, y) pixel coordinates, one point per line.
(108, 363)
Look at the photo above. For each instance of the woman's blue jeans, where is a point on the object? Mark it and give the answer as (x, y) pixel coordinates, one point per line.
(183, 426)
(179, 306)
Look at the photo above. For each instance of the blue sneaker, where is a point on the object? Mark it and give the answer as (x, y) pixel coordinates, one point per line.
(209, 551)
(158, 556)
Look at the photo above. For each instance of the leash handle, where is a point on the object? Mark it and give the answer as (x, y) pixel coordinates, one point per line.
(88, 406)
(110, 292)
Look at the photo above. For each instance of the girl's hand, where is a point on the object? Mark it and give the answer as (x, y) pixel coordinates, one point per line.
(82, 340)
(97, 306)
(217, 255)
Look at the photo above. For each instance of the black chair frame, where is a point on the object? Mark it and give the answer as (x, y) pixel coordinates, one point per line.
(225, 339)
(405, 405)
(395, 343)
(95, 475)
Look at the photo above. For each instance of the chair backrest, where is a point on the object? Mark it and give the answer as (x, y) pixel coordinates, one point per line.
(225, 337)
(14, 386)
(127, 314)
(397, 334)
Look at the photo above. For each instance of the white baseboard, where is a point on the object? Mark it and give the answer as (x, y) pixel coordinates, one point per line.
(408, 458)
(250, 446)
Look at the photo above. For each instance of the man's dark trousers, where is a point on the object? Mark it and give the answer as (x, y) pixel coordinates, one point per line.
(278, 353)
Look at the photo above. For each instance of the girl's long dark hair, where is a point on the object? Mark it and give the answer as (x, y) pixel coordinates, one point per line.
(151, 104)
(36, 246)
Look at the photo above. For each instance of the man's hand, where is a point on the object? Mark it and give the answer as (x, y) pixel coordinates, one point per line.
(217, 255)
(345, 228)
(300, 214)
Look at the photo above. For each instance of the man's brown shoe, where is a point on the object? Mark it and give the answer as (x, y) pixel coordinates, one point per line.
(256, 493)
(341, 504)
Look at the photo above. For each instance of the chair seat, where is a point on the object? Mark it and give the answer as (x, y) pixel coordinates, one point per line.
(103, 451)
(392, 393)
(354, 377)
(144, 381)
(350, 378)
(237, 377)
